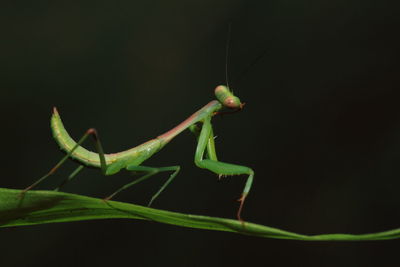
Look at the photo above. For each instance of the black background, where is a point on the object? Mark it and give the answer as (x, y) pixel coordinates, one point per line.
(321, 126)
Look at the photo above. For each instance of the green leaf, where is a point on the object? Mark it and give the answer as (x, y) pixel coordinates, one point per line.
(39, 207)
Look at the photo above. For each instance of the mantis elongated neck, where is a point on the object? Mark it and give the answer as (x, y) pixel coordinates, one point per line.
(199, 115)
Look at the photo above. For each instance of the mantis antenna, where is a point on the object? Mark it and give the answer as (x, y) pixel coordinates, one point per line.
(228, 37)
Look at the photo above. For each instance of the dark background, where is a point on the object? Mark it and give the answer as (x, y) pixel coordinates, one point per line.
(321, 127)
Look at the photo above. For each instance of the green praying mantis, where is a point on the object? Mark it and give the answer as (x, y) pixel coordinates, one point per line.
(205, 156)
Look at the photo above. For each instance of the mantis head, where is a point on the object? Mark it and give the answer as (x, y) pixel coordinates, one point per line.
(226, 97)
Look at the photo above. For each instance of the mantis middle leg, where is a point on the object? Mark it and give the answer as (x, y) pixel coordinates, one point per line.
(150, 171)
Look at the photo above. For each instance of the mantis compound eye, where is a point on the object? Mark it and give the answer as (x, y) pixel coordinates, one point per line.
(232, 102)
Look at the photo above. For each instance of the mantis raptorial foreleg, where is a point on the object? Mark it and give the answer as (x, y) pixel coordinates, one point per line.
(211, 153)
(150, 172)
(218, 167)
(99, 149)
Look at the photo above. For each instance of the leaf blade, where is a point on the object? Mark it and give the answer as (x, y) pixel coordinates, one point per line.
(39, 207)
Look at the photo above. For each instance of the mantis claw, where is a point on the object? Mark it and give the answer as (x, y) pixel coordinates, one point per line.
(106, 199)
(241, 200)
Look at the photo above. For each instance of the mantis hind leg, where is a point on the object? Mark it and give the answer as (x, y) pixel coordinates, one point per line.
(90, 132)
(206, 141)
(150, 171)
(70, 177)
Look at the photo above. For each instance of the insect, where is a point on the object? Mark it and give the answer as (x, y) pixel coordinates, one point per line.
(205, 156)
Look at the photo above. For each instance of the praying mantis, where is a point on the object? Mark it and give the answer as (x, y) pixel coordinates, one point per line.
(205, 156)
